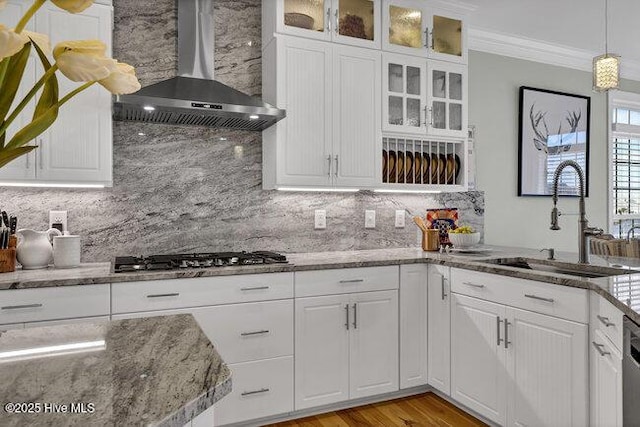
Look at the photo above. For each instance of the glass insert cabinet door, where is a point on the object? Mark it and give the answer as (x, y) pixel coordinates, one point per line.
(447, 99)
(354, 22)
(414, 28)
(404, 94)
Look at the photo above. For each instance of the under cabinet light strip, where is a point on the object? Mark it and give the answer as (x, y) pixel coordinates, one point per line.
(328, 190)
(47, 185)
(383, 190)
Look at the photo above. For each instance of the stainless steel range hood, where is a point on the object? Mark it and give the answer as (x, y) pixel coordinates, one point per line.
(194, 97)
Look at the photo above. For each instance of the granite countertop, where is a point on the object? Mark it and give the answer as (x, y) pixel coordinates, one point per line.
(622, 290)
(160, 371)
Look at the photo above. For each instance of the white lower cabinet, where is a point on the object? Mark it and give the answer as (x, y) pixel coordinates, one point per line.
(260, 388)
(439, 329)
(478, 370)
(516, 367)
(413, 325)
(346, 347)
(606, 382)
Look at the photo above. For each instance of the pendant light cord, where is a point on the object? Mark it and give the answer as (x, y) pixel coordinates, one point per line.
(606, 27)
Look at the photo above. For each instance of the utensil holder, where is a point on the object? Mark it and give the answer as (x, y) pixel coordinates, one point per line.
(7, 260)
(430, 240)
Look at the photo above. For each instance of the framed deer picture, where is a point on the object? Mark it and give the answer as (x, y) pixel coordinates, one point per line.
(554, 127)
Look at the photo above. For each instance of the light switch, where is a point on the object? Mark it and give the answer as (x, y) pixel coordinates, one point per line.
(320, 219)
(400, 215)
(369, 219)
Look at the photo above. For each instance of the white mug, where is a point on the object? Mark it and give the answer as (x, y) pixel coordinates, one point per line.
(66, 251)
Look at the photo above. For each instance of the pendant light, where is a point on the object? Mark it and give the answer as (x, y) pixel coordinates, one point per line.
(606, 68)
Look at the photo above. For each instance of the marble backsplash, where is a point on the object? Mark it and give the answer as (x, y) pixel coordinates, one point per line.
(184, 189)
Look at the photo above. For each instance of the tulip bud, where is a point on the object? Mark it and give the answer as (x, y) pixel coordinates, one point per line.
(73, 6)
(11, 42)
(122, 81)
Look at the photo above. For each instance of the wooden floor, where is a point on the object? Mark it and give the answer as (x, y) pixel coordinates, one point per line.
(422, 410)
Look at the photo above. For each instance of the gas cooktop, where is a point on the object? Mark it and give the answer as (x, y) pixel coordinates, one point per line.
(201, 260)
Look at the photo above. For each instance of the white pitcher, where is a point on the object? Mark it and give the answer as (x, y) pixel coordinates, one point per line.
(34, 248)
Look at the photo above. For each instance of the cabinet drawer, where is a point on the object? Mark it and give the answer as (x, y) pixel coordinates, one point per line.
(33, 305)
(181, 293)
(244, 332)
(607, 318)
(554, 300)
(260, 389)
(346, 280)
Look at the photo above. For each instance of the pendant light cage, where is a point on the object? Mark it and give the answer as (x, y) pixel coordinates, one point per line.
(606, 68)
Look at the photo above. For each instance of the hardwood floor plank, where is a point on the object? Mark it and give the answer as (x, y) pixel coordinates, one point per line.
(425, 410)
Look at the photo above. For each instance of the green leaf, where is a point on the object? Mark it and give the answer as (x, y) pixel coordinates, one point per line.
(8, 155)
(49, 96)
(11, 83)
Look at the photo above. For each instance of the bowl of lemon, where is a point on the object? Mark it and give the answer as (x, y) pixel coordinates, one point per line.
(464, 237)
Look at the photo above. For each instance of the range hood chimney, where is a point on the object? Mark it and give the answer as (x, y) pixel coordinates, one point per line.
(194, 97)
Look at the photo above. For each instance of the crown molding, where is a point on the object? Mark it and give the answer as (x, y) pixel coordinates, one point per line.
(542, 51)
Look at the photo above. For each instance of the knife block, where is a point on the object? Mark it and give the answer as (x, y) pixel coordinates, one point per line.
(7, 260)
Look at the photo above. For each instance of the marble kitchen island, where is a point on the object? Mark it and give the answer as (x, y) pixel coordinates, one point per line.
(160, 371)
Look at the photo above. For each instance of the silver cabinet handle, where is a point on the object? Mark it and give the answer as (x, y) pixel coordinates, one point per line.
(506, 333)
(426, 115)
(426, 37)
(431, 116)
(352, 281)
(346, 309)
(600, 347)
(442, 279)
(355, 316)
(473, 285)
(605, 321)
(248, 393)
(498, 321)
(248, 334)
(18, 307)
(329, 19)
(539, 298)
(173, 294)
(255, 288)
(337, 24)
(330, 164)
(336, 171)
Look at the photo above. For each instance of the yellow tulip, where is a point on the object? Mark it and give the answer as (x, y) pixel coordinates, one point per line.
(42, 40)
(122, 81)
(73, 6)
(11, 42)
(83, 60)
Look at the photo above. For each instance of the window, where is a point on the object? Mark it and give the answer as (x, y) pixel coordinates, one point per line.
(625, 164)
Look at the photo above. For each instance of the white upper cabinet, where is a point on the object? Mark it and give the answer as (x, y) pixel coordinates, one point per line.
(77, 148)
(416, 27)
(404, 99)
(353, 22)
(447, 99)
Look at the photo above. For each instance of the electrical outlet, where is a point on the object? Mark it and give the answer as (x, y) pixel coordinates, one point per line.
(400, 215)
(58, 217)
(369, 219)
(320, 219)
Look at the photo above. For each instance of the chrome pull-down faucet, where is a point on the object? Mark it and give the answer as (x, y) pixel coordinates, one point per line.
(583, 225)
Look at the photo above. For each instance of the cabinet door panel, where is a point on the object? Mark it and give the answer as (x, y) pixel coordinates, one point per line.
(478, 371)
(356, 22)
(439, 329)
(304, 18)
(413, 325)
(305, 149)
(547, 360)
(356, 115)
(405, 28)
(78, 146)
(404, 94)
(447, 99)
(374, 344)
(606, 382)
(321, 351)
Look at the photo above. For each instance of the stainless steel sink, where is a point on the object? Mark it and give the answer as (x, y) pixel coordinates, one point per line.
(580, 270)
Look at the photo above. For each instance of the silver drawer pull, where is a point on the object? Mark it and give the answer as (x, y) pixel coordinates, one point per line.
(173, 294)
(248, 393)
(247, 334)
(352, 281)
(605, 321)
(18, 307)
(600, 347)
(538, 298)
(473, 285)
(255, 288)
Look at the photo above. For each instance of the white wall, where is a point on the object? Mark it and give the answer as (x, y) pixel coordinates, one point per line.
(493, 92)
